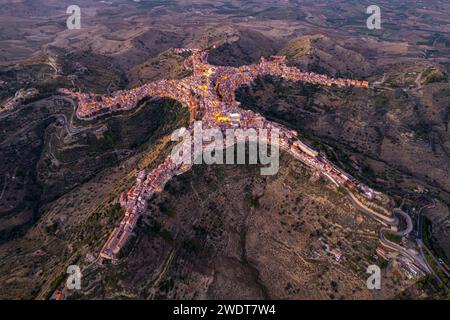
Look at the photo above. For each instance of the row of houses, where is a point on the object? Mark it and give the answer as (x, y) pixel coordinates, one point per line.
(134, 203)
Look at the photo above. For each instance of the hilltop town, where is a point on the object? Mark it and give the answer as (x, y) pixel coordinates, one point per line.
(196, 92)
(210, 93)
(89, 176)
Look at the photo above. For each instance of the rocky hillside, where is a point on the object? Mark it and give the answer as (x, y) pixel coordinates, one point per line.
(243, 47)
(321, 54)
(226, 232)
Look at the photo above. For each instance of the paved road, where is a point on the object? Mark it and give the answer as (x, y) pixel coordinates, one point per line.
(420, 243)
(377, 216)
(409, 223)
(414, 256)
(393, 221)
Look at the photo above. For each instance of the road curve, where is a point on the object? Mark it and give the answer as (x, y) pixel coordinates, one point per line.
(392, 221)
(409, 223)
(416, 257)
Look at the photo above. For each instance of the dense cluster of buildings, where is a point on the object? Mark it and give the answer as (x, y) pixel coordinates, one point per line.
(134, 203)
(210, 91)
(289, 142)
(233, 78)
(21, 96)
(208, 82)
(91, 106)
